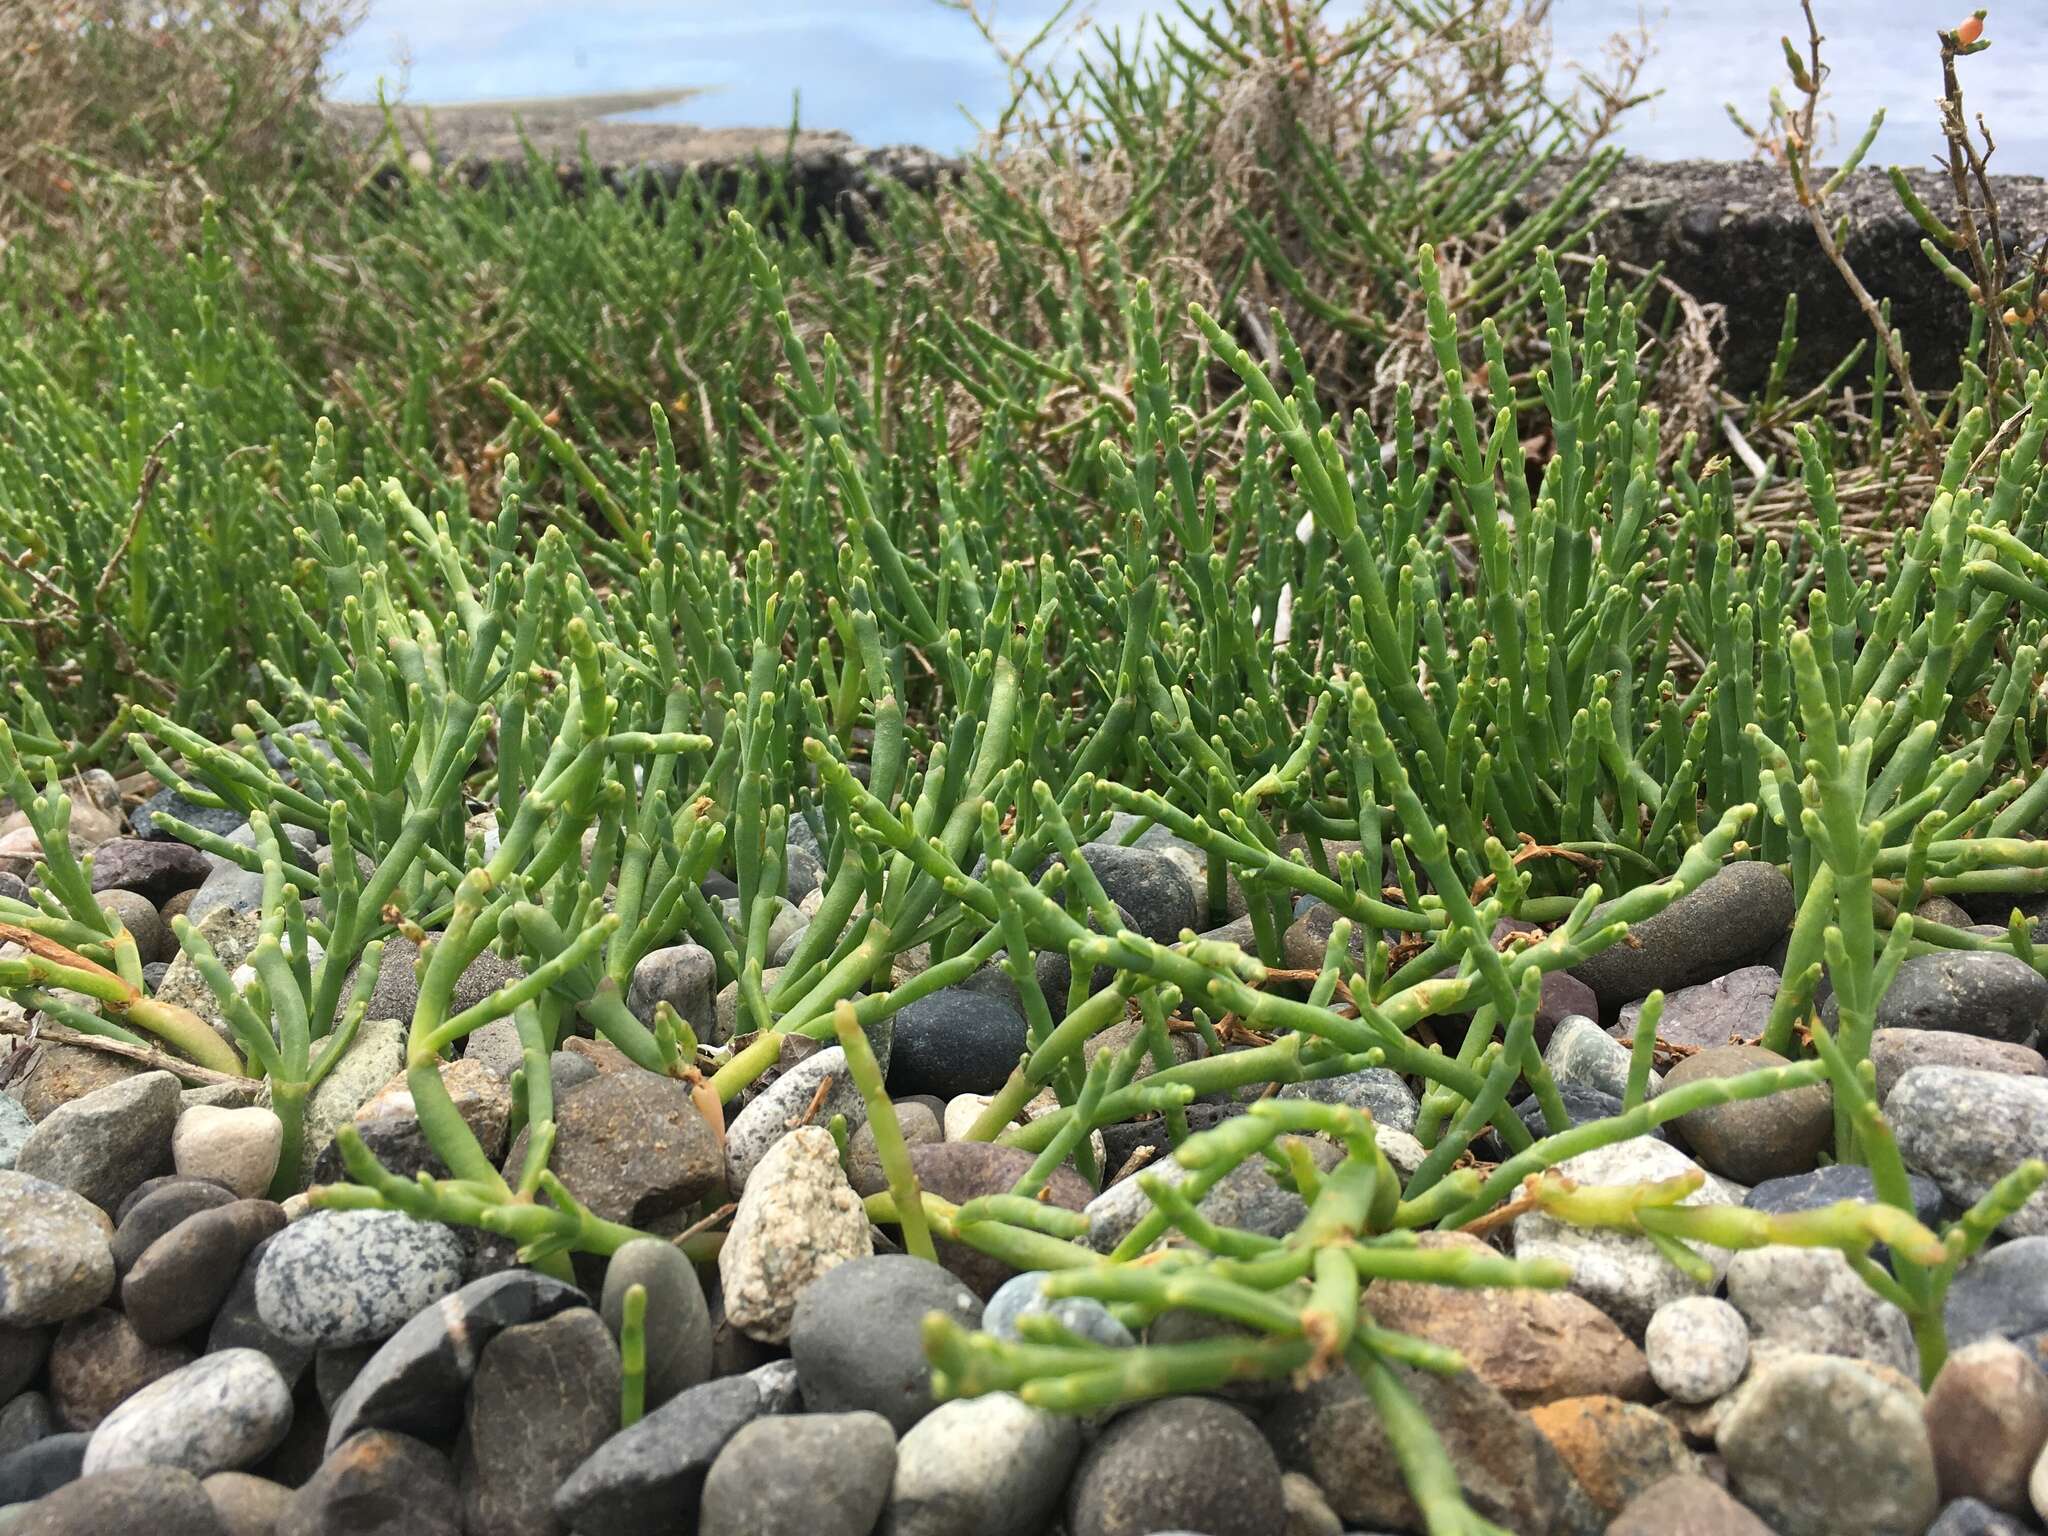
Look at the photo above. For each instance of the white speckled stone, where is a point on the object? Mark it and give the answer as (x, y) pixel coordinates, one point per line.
(348, 1277)
(1698, 1348)
(765, 1122)
(223, 1411)
(798, 1218)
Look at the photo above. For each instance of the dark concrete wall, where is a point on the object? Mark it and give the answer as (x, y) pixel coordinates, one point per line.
(1730, 233)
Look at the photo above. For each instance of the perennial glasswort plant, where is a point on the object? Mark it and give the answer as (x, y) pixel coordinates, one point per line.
(1417, 676)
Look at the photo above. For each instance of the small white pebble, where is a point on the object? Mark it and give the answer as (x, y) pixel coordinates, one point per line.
(961, 1113)
(1698, 1348)
(239, 1147)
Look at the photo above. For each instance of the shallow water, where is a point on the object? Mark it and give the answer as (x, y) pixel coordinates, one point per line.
(914, 71)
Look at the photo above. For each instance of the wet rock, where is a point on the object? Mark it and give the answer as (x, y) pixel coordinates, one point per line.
(981, 1466)
(103, 1145)
(756, 1130)
(801, 1221)
(632, 1147)
(678, 1321)
(1810, 1299)
(1991, 996)
(857, 1335)
(638, 1479)
(1818, 1445)
(1726, 1010)
(1732, 917)
(1752, 1139)
(955, 1041)
(959, 1171)
(1186, 1462)
(546, 1396)
(1987, 1419)
(1967, 1130)
(1616, 1450)
(99, 1361)
(1330, 1431)
(848, 1461)
(1621, 1274)
(1895, 1052)
(165, 1501)
(54, 1258)
(221, 1412)
(234, 1147)
(347, 1277)
(1698, 1348)
(682, 975)
(1687, 1504)
(377, 1484)
(154, 871)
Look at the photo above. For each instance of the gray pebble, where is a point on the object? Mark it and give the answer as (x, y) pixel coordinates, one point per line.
(55, 1262)
(857, 1335)
(1380, 1091)
(1819, 1445)
(638, 1479)
(1022, 1295)
(104, 1144)
(678, 1321)
(1967, 1130)
(982, 1466)
(847, 1462)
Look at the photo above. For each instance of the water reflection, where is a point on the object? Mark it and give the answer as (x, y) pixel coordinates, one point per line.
(913, 71)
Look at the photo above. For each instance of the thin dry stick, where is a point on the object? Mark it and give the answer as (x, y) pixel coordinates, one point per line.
(58, 1034)
(151, 472)
(1792, 149)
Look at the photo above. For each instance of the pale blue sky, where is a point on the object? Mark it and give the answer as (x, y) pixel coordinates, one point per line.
(891, 71)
